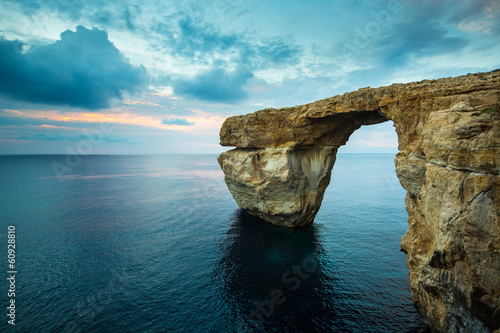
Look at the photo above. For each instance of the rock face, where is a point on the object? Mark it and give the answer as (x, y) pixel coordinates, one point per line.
(448, 162)
(284, 186)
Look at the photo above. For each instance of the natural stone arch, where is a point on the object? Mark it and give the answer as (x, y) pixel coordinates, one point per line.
(448, 162)
(285, 185)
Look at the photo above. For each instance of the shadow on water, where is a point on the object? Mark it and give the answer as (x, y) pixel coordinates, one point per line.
(272, 278)
(278, 279)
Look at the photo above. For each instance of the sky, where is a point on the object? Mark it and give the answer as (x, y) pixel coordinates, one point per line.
(136, 77)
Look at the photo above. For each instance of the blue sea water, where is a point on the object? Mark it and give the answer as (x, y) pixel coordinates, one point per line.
(155, 243)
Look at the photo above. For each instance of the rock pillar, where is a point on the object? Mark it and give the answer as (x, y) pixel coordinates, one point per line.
(284, 186)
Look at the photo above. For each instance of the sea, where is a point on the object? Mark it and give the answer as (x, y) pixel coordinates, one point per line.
(156, 243)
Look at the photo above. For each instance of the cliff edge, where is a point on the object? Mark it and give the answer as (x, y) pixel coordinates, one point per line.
(448, 162)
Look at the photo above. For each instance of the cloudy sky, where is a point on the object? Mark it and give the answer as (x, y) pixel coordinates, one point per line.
(124, 76)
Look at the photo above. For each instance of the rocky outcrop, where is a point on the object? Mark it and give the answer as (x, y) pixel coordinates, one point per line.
(448, 162)
(284, 186)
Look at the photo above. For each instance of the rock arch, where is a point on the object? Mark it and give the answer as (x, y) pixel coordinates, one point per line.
(448, 162)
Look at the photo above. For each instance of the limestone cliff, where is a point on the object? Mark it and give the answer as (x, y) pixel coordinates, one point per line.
(448, 162)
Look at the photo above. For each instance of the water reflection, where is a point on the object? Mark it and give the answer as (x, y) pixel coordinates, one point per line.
(275, 278)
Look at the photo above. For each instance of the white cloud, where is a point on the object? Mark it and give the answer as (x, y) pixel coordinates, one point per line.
(377, 139)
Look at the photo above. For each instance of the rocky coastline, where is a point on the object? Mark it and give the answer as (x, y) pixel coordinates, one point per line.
(448, 162)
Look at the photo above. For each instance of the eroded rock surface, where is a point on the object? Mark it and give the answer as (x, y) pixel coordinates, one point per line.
(448, 162)
(284, 186)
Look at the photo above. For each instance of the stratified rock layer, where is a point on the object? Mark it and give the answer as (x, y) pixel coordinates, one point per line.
(448, 162)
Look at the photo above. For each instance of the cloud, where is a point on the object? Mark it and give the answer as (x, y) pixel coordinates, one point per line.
(109, 13)
(392, 37)
(176, 121)
(82, 69)
(480, 16)
(22, 121)
(418, 39)
(201, 41)
(113, 138)
(40, 137)
(378, 139)
(194, 40)
(216, 84)
(278, 51)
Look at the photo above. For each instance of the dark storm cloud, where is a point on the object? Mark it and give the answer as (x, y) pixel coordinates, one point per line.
(217, 85)
(82, 69)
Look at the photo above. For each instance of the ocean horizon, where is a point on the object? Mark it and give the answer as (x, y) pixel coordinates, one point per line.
(156, 243)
